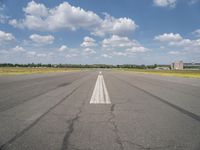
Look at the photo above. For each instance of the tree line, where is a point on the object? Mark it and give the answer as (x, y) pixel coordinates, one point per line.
(40, 65)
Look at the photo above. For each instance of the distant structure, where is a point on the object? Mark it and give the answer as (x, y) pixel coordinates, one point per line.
(192, 66)
(178, 65)
(162, 68)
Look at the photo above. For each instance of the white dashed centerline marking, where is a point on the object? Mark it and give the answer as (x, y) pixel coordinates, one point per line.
(100, 93)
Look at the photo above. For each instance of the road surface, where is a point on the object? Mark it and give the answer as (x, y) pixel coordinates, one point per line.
(99, 111)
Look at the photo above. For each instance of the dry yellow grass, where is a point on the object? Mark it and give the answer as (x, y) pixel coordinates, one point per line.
(21, 70)
(177, 73)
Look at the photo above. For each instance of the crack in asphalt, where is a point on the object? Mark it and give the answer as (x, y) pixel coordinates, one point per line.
(8, 143)
(71, 122)
(69, 132)
(120, 142)
(115, 128)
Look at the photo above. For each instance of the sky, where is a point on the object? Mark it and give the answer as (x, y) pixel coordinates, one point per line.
(99, 31)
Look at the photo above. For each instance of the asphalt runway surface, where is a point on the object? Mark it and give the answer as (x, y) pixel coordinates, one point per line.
(89, 110)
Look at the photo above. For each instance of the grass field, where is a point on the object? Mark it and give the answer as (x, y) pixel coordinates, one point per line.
(17, 71)
(177, 73)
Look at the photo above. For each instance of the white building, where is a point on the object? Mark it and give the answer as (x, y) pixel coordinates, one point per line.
(178, 65)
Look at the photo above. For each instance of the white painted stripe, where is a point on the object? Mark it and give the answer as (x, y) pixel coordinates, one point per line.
(100, 94)
(107, 98)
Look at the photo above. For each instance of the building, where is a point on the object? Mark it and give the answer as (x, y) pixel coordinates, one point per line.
(192, 66)
(162, 68)
(178, 65)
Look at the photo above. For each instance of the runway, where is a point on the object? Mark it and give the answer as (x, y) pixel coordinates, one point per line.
(88, 110)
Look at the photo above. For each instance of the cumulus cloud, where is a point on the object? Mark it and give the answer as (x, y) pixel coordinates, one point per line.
(182, 43)
(168, 37)
(138, 48)
(174, 52)
(3, 17)
(176, 40)
(197, 33)
(165, 3)
(41, 55)
(66, 16)
(32, 53)
(120, 53)
(18, 49)
(63, 48)
(39, 17)
(106, 56)
(118, 41)
(15, 23)
(88, 51)
(123, 43)
(36, 9)
(4, 52)
(47, 39)
(70, 55)
(117, 26)
(88, 42)
(6, 37)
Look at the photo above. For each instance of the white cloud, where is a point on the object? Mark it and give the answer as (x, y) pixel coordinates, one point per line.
(66, 16)
(120, 53)
(136, 49)
(70, 55)
(117, 26)
(168, 37)
(182, 43)
(39, 17)
(119, 43)
(197, 33)
(106, 56)
(32, 53)
(165, 3)
(88, 42)
(63, 48)
(41, 55)
(89, 51)
(36, 9)
(187, 46)
(4, 52)
(18, 49)
(6, 37)
(16, 23)
(48, 39)
(174, 52)
(3, 17)
(162, 47)
(177, 41)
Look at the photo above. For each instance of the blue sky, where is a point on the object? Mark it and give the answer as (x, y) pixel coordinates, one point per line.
(99, 31)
